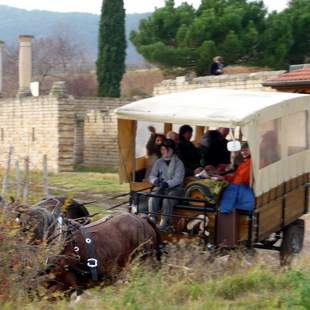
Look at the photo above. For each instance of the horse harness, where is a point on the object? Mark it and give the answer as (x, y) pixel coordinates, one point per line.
(91, 261)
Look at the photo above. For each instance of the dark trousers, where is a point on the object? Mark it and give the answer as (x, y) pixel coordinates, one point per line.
(166, 205)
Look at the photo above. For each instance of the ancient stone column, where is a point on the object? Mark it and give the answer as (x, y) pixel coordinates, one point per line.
(1, 67)
(25, 65)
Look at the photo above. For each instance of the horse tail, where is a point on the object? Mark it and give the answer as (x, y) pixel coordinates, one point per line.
(159, 243)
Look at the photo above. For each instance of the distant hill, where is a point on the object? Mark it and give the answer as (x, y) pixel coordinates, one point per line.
(81, 27)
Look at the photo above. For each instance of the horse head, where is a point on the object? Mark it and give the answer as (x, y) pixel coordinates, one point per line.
(64, 271)
(67, 208)
(45, 220)
(38, 224)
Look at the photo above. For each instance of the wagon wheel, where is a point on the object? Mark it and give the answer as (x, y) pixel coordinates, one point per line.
(292, 242)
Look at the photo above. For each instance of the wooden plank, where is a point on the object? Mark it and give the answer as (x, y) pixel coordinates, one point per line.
(244, 227)
(294, 205)
(140, 186)
(140, 163)
(167, 127)
(198, 134)
(270, 217)
(266, 198)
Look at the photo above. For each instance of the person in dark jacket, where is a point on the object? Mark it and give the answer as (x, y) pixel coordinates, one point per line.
(187, 151)
(167, 176)
(213, 148)
(224, 131)
(217, 67)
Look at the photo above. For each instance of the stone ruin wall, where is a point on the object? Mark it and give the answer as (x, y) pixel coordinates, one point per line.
(30, 126)
(243, 81)
(68, 131)
(96, 131)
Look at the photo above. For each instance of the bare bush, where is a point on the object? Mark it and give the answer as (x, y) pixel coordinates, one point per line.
(10, 71)
(140, 82)
(82, 85)
(56, 55)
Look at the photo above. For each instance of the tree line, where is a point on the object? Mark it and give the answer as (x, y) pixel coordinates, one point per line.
(241, 31)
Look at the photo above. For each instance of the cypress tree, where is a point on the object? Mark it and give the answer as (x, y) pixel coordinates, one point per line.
(112, 48)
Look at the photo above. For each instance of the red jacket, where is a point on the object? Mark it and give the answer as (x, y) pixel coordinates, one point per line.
(242, 174)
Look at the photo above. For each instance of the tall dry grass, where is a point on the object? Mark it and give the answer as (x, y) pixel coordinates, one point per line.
(190, 278)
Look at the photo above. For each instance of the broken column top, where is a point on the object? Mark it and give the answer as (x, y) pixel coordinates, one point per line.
(25, 38)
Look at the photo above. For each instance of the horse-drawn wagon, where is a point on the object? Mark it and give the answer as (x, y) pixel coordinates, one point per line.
(277, 129)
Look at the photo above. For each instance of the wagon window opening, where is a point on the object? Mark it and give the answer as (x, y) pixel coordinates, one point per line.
(269, 143)
(296, 134)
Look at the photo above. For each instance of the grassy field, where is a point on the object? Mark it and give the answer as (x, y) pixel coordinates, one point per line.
(186, 278)
(256, 286)
(83, 185)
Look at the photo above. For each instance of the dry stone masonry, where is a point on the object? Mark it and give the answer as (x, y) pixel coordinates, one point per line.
(63, 128)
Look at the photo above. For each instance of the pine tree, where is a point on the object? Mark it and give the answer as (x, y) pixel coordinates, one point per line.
(112, 48)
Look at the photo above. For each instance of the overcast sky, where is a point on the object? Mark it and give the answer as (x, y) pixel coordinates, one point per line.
(93, 6)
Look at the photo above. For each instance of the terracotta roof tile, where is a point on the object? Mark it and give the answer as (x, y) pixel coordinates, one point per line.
(296, 77)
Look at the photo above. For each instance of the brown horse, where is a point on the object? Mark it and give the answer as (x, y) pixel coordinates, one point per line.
(98, 251)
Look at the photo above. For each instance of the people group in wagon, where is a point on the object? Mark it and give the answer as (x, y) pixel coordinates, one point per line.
(182, 163)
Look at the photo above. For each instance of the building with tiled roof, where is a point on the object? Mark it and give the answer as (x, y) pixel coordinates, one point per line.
(296, 81)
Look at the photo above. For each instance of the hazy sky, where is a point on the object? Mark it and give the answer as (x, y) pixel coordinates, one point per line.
(93, 6)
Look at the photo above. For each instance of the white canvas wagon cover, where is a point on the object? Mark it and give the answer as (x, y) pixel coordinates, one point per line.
(252, 111)
(207, 107)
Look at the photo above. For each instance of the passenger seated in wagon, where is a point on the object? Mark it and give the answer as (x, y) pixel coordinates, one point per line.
(187, 151)
(167, 175)
(153, 149)
(238, 194)
(215, 157)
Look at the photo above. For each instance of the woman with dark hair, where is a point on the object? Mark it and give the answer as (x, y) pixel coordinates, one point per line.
(153, 149)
